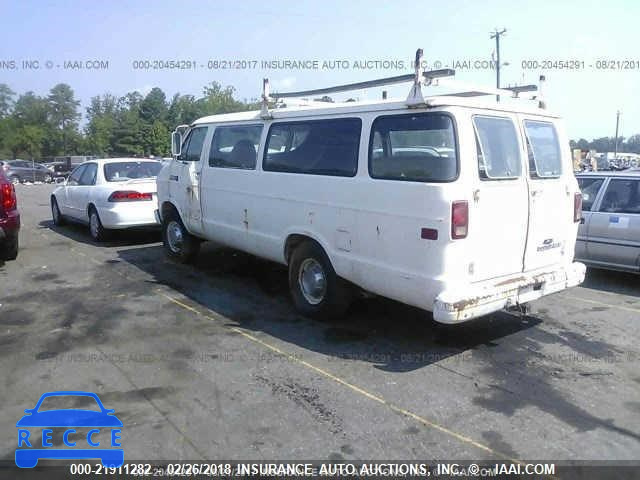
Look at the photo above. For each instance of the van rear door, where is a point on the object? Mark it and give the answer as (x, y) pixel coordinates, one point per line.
(498, 214)
(551, 197)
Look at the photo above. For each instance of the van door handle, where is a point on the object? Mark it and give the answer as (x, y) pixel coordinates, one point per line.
(535, 192)
(582, 220)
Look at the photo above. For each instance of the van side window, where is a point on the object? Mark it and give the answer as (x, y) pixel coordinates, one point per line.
(318, 147)
(545, 160)
(497, 148)
(235, 147)
(622, 196)
(419, 148)
(589, 188)
(192, 146)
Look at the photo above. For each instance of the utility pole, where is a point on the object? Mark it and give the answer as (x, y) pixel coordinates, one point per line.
(615, 153)
(496, 34)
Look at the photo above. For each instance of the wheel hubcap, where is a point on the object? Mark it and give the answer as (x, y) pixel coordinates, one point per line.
(93, 224)
(174, 236)
(312, 281)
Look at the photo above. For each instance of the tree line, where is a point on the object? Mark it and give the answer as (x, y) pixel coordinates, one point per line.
(608, 144)
(33, 126)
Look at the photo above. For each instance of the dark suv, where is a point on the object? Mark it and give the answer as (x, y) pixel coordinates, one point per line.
(24, 171)
(9, 220)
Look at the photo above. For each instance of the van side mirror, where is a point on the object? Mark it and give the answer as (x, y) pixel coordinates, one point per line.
(176, 143)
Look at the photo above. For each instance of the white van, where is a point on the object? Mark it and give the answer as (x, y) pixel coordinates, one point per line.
(455, 205)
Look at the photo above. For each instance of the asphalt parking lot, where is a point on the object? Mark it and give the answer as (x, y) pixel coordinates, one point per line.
(212, 362)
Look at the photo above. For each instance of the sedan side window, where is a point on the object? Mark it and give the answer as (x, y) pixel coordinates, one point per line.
(622, 196)
(74, 178)
(89, 175)
(589, 188)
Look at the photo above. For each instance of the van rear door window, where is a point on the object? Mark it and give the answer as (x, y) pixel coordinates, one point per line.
(417, 147)
(317, 147)
(497, 148)
(543, 149)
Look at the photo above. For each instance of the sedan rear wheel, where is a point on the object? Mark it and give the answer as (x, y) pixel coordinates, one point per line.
(9, 249)
(98, 232)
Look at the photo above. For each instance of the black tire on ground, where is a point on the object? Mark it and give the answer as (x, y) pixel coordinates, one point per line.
(96, 230)
(9, 248)
(15, 179)
(179, 244)
(56, 215)
(315, 288)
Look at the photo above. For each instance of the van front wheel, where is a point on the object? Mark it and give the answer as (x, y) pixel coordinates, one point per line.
(315, 288)
(179, 244)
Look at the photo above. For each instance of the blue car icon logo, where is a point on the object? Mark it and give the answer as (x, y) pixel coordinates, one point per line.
(28, 452)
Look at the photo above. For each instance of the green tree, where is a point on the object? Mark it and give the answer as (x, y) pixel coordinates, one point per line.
(6, 100)
(154, 106)
(219, 100)
(183, 110)
(27, 141)
(101, 124)
(63, 116)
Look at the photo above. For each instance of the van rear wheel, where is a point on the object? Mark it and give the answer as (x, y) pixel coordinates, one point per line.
(179, 244)
(315, 288)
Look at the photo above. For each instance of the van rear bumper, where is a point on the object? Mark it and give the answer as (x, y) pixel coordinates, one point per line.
(463, 303)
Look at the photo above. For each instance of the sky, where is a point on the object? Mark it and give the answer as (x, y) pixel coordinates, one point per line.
(350, 41)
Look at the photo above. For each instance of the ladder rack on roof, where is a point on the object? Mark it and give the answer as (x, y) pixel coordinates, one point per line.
(415, 98)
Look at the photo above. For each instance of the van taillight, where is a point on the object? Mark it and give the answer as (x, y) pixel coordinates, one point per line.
(577, 207)
(129, 196)
(459, 219)
(8, 197)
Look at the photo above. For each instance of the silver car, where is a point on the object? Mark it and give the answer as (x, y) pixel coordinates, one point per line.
(19, 171)
(609, 233)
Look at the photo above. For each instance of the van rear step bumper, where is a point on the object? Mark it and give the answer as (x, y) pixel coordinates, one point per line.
(458, 305)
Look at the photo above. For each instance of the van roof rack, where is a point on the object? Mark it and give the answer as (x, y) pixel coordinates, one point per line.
(415, 98)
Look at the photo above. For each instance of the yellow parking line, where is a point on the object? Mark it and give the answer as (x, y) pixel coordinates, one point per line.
(426, 422)
(619, 307)
(407, 413)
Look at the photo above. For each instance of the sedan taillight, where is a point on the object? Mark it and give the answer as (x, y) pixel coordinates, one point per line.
(577, 207)
(8, 197)
(129, 196)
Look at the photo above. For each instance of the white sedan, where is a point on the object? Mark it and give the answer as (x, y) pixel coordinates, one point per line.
(107, 194)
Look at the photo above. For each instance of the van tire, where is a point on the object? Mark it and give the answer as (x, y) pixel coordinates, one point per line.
(329, 297)
(178, 243)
